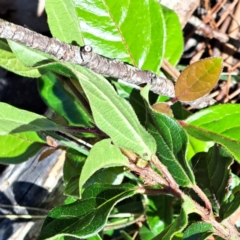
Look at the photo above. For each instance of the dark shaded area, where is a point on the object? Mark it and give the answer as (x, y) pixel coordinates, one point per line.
(20, 92)
(26, 194)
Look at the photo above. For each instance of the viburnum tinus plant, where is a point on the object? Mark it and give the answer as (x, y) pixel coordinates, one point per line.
(143, 158)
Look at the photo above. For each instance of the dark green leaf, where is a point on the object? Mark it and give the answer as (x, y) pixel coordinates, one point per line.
(159, 213)
(230, 206)
(179, 224)
(126, 236)
(61, 101)
(19, 147)
(198, 231)
(105, 155)
(179, 111)
(218, 123)
(71, 187)
(212, 174)
(73, 164)
(171, 144)
(132, 31)
(14, 120)
(63, 21)
(113, 176)
(86, 217)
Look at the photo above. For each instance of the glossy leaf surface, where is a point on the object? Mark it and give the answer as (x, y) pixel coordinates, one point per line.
(174, 39)
(213, 175)
(105, 155)
(198, 79)
(220, 124)
(85, 217)
(62, 102)
(195, 146)
(14, 120)
(131, 31)
(196, 231)
(9, 61)
(19, 147)
(114, 115)
(63, 21)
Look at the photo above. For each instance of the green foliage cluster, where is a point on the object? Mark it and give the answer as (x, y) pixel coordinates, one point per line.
(104, 196)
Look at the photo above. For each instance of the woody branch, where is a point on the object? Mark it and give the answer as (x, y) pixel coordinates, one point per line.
(84, 56)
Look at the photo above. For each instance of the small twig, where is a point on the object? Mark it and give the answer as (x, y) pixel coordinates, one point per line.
(113, 225)
(13, 216)
(171, 187)
(211, 33)
(95, 130)
(23, 207)
(148, 172)
(203, 196)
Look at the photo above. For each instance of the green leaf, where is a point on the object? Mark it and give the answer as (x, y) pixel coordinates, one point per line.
(112, 175)
(198, 79)
(71, 188)
(95, 237)
(29, 56)
(106, 155)
(171, 144)
(63, 21)
(109, 28)
(230, 206)
(180, 223)
(114, 115)
(145, 233)
(9, 61)
(159, 212)
(219, 124)
(213, 175)
(195, 146)
(86, 217)
(19, 147)
(62, 102)
(73, 164)
(174, 36)
(14, 120)
(197, 230)
(171, 147)
(179, 111)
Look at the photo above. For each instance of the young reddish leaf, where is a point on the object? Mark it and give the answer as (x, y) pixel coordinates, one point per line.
(198, 79)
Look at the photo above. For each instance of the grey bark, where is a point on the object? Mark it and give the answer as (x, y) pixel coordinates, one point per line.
(84, 56)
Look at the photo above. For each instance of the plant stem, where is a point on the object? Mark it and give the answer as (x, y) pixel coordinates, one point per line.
(203, 196)
(226, 232)
(84, 56)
